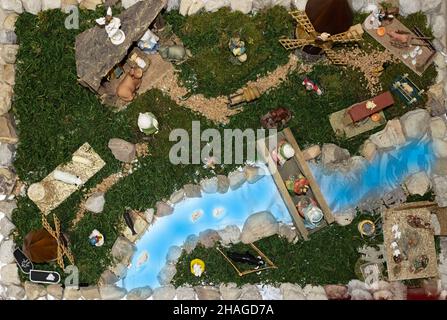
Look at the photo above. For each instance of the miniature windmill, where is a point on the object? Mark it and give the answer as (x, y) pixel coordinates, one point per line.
(306, 35)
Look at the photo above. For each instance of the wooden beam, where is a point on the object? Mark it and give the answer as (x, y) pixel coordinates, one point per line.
(308, 174)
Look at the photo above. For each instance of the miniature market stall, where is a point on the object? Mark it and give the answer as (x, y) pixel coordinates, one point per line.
(100, 63)
(409, 244)
(67, 178)
(417, 55)
(297, 186)
(361, 117)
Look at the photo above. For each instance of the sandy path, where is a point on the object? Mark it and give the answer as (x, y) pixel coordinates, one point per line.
(214, 109)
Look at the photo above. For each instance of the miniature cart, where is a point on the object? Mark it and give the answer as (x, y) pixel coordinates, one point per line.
(407, 90)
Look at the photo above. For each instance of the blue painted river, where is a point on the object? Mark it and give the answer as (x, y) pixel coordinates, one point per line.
(383, 174)
(216, 211)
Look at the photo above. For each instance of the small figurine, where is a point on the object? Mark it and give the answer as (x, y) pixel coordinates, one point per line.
(149, 42)
(237, 48)
(247, 258)
(308, 209)
(197, 267)
(147, 123)
(129, 221)
(112, 26)
(311, 86)
(131, 83)
(298, 185)
(176, 53)
(283, 153)
(96, 238)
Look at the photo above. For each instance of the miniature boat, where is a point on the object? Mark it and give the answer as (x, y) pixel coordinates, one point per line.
(246, 257)
(295, 166)
(23, 261)
(45, 277)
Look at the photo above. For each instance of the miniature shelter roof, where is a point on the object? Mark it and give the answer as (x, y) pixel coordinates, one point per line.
(95, 53)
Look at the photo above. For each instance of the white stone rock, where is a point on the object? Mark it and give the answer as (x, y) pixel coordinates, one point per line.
(8, 74)
(438, 128)
(314, 292)
(440, 188)
(230, 235)
(282, 3)
(90, 293)
(345, 218)
(7, 207)
(112, 292)
(261, 4)
(415, 123)
(95, 203)
(6, 251)
(128, 3)
(9, 274)
(15, 292)
(164, 293)
(11, 5)
(299, 4)
(172, 5)
(34, 291)
(243, 6)
(409, 6)
(312, 152)
(51, 4)
(142, 293)
(185, 293)
(149, 215)
(209, 185)
(250, 292)
(440, 148)
(196, 6)
(214, 5)
(368, 150)
(8, 53)
(166, 274)
(359, 294)
(6, 154)
(56, 291)
(9, 20)
(5, 98)
(429, 6)
(207, 293)
(389, 137)
(174, 254)
(358, 5)
(72, 293)
(237, 179)
(32, 6)
(292, 291)
(6, 227)
(184, 6)
(230, 291)
(418, 183)
(438, 26)
(258, 226)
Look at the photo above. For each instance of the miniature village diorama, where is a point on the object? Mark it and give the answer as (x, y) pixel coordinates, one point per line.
(345, 198)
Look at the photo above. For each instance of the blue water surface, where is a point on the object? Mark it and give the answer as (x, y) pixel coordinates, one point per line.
(218, 211)
(386, 172)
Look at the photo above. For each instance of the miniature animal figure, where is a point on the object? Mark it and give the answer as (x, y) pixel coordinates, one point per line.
(276, 118)
(404, 39)
(130, 84)
(416, 222)
(419, 264)
(246, 257)
(175, 53)
(129, 222)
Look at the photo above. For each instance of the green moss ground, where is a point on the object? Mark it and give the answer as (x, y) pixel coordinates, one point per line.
(56, 116)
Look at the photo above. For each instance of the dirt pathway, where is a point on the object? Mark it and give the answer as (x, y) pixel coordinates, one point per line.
(162, 75)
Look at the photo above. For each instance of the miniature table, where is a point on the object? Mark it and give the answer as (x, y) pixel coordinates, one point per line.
(423, 244)
(360, 111)
(423, 61)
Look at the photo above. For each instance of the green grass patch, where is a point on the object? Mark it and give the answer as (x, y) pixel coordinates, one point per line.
(210, 70)
(329, 257)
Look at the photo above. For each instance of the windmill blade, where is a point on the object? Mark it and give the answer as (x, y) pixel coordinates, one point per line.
(291, 44)
(334, 57)
(303, 20)
(352, 35)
